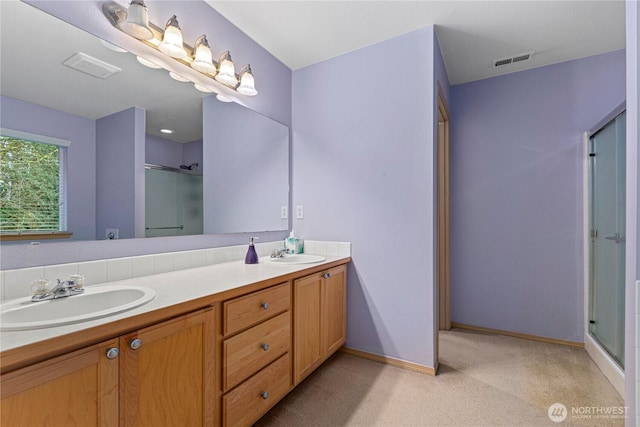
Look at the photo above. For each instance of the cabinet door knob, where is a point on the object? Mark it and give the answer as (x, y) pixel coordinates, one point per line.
(326, 275)
(265, 346)
(264, 305)
(265, 395)
(112, 353)
(135, 344)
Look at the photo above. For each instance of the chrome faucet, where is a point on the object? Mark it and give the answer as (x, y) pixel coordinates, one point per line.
(60, 290)
(278, 253)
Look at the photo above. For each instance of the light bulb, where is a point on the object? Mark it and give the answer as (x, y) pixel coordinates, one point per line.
(226, 72)
(172, 43)
(202, 58)
(247, 83)
(137, 22)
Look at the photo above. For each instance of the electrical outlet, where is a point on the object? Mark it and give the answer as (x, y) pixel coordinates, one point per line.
(111, 234)
(284, 212)
(299, 212)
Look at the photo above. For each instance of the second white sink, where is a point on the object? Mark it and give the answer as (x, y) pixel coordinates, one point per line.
(297, 259)
(95, 302)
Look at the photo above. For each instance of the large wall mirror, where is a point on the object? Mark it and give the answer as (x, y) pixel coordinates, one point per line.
(238, 167)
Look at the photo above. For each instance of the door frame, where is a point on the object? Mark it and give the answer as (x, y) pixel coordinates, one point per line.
(443, 257)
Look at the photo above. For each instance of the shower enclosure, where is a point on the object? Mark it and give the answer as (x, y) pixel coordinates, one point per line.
(173, 201)
(607, 237)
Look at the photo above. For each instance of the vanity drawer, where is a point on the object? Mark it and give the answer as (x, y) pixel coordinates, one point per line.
(248, 352)
(253, 398)
(240, 313)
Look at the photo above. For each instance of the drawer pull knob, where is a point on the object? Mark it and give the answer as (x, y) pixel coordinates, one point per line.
(264, 305)
(265, 395)
(326, 275)
(112, 353)
(135, 344)
(265, 346)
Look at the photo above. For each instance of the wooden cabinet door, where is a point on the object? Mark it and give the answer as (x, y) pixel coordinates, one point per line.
(334, 309)
(167, 377)
(79, 388)
(307, 313)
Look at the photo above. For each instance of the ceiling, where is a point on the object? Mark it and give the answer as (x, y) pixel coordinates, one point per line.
(471, 33)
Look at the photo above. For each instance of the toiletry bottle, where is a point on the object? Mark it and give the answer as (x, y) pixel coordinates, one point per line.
(252, 256)
(290, 243)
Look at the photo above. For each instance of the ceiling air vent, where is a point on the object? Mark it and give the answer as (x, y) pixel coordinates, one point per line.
(521, 57)
(90, 65)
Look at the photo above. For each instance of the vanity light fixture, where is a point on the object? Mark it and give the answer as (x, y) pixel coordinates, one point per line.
(167, 131)
(135, 22)
(247, 84)
(222, 98)
(202, 88)
(178, 77)
(172, 43)
(113, 47)
(202, 57)
(148, 63)
(226, 73)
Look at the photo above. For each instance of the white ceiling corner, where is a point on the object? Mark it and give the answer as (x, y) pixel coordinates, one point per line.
(471, 33)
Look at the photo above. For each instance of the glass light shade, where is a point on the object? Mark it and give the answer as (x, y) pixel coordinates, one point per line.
(226, 72)
(178, 77)
(222, 98)
(172, 43)
(202, 58)
(202, 88)
(148, 63)
(247, 83)
(137, 22)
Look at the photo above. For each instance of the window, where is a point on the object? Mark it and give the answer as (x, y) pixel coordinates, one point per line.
(32, 186)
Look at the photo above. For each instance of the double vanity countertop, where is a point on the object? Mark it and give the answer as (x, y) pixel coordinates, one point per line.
(177, 293)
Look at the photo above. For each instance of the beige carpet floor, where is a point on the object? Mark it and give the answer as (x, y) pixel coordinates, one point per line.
(483, 380)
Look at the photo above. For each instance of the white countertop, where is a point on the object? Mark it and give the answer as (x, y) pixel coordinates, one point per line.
(171, 288)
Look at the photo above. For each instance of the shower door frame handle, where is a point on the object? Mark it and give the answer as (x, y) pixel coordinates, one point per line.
(616, 238)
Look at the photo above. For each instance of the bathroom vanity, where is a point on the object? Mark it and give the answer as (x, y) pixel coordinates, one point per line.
(219, 345)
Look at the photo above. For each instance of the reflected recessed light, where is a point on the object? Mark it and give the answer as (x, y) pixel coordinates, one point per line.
(147, 63)
(222, 98)
(166, 130)
(202, 88)
(178, 77)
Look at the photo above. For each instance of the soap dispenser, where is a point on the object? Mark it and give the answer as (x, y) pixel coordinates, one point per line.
(252, 256)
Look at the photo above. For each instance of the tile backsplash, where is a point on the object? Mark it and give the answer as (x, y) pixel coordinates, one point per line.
(17, 283)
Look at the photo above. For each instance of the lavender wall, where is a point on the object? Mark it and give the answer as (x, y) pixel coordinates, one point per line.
(120, 187)
(163, 152)
(632, 324)
(248, 155)
(81, 183)
(516, 194)
(273, 81)
(363, 153)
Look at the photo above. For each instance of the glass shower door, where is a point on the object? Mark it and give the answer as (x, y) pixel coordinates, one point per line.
(607, 249)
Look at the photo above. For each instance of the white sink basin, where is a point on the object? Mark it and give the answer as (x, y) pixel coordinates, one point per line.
(297, 259)
(100, 301)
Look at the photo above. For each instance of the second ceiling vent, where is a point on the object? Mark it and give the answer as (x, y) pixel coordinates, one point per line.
(521, 57)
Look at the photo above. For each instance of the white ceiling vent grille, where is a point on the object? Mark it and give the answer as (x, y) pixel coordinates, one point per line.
(515, 59)
(92, 66)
